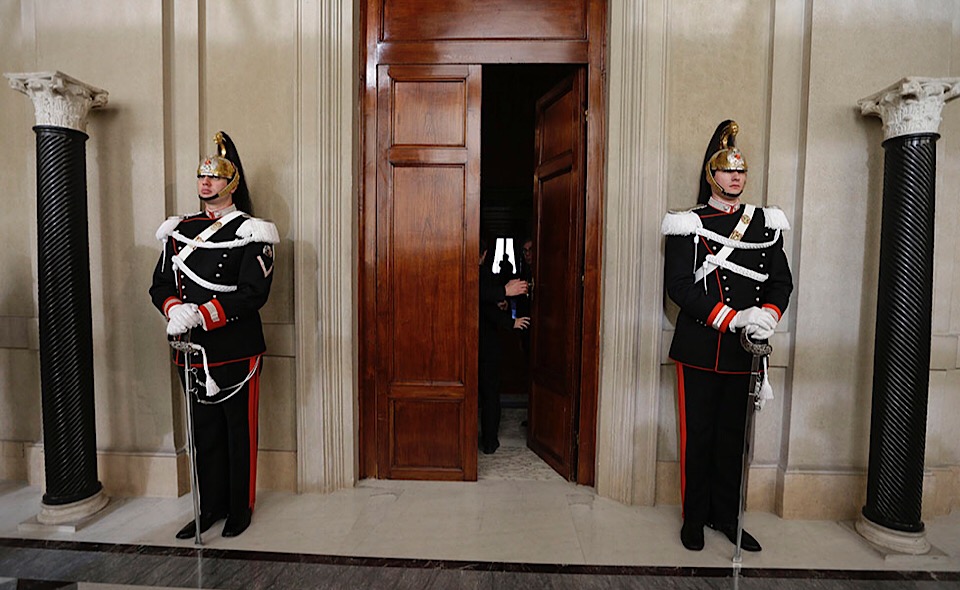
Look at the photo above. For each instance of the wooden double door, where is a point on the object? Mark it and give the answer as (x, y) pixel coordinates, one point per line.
(419, 223)
(426, 268)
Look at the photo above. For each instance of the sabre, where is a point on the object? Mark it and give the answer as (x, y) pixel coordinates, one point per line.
(187, 347)
(759, 351)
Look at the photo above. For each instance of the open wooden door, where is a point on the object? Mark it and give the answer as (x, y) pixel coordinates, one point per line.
(428, 215)
(557, 301)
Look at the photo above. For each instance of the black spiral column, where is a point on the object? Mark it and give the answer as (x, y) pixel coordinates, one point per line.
(66, 333)
(898, 422)
(72, 488)
(901, 362)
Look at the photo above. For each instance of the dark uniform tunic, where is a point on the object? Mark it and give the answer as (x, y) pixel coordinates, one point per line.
(712, 366)
(225, 424)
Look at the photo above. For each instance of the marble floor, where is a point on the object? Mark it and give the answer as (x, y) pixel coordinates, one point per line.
(517, 527)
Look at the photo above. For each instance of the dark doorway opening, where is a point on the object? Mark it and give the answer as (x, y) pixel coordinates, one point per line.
(508, 223)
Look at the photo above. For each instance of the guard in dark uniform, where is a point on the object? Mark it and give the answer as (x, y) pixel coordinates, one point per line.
(210, 282)
(726, 270)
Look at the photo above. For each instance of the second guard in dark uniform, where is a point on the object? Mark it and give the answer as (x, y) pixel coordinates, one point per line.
(726, 270)
(212, 279)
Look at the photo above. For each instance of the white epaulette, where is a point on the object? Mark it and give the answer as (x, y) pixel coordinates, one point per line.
(166, 228)
(681, 223)
(774, 218)
(259, 230)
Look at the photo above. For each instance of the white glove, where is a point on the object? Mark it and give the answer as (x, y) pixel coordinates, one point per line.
(753, 319)
(183, 317)
(762, 332)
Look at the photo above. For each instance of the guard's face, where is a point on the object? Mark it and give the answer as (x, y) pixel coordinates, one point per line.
(731, 181)
(209, 186)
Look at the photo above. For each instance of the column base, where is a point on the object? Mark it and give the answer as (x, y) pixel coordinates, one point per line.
(74, 511)
(899, 541)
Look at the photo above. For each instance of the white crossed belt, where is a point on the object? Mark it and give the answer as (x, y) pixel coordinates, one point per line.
(179, 261)
(719, 260)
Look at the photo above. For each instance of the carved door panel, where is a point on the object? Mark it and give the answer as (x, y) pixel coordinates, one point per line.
(428, 212)
(557, 304)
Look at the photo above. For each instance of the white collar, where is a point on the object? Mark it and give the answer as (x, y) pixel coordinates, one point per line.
(221, 212)
(725, 206)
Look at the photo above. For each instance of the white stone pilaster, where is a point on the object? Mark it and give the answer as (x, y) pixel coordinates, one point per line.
(59, 100)
(325, 267)
(633, 257)
(911, 106)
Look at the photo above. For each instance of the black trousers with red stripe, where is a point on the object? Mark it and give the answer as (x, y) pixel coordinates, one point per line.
(712, 420)
(226, 437)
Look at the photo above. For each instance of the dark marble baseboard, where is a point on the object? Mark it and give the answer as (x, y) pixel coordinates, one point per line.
(38, 560)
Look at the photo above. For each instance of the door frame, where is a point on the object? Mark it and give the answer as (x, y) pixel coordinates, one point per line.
(590, 51)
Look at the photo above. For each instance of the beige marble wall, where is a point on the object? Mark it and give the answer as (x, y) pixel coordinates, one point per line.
(855, 49)
(279, 79)
(718, 68)
(19, 357)
(175, 75)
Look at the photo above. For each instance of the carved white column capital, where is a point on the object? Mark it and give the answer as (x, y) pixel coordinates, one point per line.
(912, 105)
(58, 99)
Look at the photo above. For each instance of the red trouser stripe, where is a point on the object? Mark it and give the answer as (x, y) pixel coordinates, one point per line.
(683, 436)
(253, 413)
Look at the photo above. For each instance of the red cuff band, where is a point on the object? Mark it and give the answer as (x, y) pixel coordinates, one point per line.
(774, 309)
(168, 303)
(727, 320)
(213, 316)
(713, 314)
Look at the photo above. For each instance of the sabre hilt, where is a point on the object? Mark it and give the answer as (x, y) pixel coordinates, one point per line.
(184, 346)
(759, 349)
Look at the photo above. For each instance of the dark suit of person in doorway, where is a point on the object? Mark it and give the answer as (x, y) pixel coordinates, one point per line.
(493, 315)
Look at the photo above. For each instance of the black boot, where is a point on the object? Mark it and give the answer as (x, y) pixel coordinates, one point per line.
(691, 535)
(490, 448)
(207, 520)
(747, 541)
(236, 523)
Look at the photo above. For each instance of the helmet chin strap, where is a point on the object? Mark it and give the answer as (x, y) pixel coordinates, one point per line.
(724, 193)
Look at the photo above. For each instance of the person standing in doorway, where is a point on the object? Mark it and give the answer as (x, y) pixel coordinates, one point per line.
(212, 279)
(524, 303)
(726, 269)
(493, 314)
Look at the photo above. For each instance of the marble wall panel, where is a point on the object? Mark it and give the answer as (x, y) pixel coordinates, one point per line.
(718, 68)
(18, 223)
(19, 395)
(278, 412)
(249, 86)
